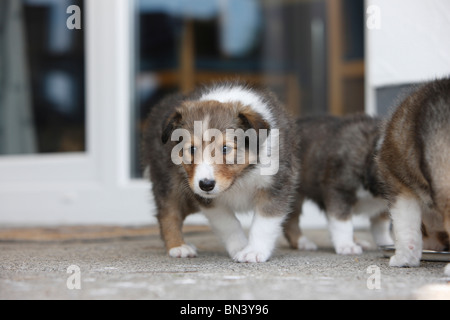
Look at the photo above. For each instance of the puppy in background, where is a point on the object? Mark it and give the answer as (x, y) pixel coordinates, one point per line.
(219, 189)
(414, 163)
(339, 175)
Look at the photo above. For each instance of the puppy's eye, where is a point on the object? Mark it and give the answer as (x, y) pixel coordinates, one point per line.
(193, 150)
(226, 149)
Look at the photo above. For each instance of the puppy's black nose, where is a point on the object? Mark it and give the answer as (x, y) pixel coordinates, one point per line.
(207, 185)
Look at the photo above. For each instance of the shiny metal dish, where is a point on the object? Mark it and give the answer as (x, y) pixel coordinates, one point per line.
(427, 255)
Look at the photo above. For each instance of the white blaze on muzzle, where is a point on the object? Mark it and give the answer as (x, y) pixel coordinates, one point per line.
(204, 179)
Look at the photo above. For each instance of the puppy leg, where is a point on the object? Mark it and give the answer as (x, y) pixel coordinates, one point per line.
(447, 270)
(407, 219)
(380, 227)
(292, 231)
(338, 208)
(171, 223)
(341, 231)
(263, 234)
(224, 223)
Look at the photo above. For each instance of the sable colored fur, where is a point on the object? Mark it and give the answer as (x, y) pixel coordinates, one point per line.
(339, 175)
(414, 162)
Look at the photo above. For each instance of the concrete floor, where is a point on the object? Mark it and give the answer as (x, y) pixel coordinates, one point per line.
(138, 268)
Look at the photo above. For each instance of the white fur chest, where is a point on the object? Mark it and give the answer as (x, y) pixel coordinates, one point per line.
(241, 196)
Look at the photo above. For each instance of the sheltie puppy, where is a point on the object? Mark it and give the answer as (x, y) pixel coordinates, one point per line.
(339, 175)
(414, 163)
(222, 149)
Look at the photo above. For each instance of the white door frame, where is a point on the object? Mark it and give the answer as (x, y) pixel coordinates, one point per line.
(407, 45)
(95, 186)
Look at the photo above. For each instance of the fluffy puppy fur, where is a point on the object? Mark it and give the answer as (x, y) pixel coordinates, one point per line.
(414, 162)
(339, 175)
(220, 190)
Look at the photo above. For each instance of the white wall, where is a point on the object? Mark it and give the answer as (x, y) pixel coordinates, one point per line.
(409, 42)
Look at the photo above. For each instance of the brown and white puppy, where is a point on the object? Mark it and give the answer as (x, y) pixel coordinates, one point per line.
(414, 162)
(185, 140)
(339, 175)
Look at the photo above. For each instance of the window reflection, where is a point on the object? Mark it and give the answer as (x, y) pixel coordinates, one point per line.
(42, 82)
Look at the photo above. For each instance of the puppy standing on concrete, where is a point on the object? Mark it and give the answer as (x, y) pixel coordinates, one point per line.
(339, 175)
(200, 182)
(414, 162)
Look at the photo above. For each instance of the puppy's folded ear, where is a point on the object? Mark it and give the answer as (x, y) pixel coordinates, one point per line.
(170, 125)
(250, 119)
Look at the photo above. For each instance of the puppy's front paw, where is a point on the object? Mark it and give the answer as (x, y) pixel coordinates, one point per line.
(236, 246)
(305, 244)
(447, 270)
(404, 260)
(183, 251)
(251, 255)
(365, 245)
(349, 249)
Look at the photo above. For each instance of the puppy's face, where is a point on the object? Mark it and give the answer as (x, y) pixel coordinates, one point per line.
(216, 142)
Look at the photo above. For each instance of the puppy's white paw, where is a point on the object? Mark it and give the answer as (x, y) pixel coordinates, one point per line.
(349, 249)
(384, 241)
(236, 246)
(251, 255)
(183, 251)
(403, 260)
(365, 245)
(447, 270)
(305, 244)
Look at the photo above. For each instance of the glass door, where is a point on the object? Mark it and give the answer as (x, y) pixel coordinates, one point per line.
(42, 80)
(65, 83)
(42, 86)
